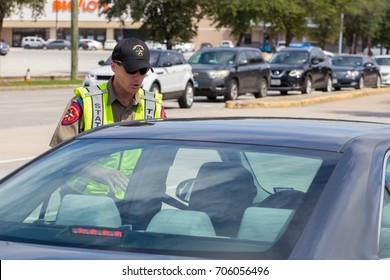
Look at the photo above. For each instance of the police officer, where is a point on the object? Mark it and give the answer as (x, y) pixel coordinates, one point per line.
(119, 99)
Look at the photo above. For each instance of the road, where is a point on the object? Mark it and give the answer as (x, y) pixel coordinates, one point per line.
(28, 117)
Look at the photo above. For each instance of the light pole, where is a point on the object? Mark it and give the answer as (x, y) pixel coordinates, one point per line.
(341, 33)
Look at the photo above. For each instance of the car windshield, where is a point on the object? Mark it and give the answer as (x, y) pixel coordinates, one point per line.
(347, 61)
(383, 60)
(182, 197)
(224, 57)
(290, 58)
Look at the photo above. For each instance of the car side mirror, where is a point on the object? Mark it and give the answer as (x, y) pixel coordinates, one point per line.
(184, 189)
(101, 62)
(315, 60)
(243, 62)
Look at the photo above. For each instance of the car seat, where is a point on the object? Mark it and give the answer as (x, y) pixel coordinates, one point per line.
(223, 191)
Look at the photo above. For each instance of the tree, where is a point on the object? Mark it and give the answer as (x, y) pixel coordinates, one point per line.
(238, 15)
(168, 21)
(7, 7)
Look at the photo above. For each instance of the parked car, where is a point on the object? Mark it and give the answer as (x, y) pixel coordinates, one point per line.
(109, 44)
(207, 189)
(230, 72)
(59, 44)
(93, 44)
(83, 45)
(33, 42)
(280, 45)
(384, 65)
(172, 76)
(355, 71)
(226, 44)
(205, 45)
(4, 48)
(184, 47)
(300, 69)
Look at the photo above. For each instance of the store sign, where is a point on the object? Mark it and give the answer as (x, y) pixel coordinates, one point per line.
(83, 6)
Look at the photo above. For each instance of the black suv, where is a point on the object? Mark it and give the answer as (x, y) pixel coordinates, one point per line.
(302, 69)
(230, 72)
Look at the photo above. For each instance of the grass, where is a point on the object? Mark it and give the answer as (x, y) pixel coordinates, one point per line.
(44, 82)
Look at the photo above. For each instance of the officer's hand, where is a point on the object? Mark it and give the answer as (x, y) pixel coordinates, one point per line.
(110, 177)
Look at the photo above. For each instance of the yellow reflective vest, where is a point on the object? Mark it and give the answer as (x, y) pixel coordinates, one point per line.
(97, 112)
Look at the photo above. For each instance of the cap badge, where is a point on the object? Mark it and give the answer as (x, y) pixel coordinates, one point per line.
(138, 50)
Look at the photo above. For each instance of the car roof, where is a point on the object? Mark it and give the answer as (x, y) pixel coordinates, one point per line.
(330, 135)
(300, 49)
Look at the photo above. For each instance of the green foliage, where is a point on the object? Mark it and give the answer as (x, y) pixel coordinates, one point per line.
(7, 7)
(168, 21)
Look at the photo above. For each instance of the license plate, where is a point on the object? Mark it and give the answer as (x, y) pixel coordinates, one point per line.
(275, 82)
(196, 84)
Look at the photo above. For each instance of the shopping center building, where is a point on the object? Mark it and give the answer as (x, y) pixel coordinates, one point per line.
(56, 23)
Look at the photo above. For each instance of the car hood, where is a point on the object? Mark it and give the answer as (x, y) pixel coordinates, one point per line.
(104, 70)
(208, 67)
(25, 251)
(286, 66)
(344, 68)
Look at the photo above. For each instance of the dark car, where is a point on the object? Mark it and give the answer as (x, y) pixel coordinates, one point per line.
(355, 71)
(4, 48)
(205, 45)
(229, 72)
(238, 188)
(59, 44)
(300, 69)
(83, 45)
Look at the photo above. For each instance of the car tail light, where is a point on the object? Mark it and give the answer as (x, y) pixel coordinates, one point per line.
(95, 231)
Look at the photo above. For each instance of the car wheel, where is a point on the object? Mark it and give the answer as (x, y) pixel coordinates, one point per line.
(308, 86)
(328, 84)
(155, 88)
(188, 98)
(263, 89)
(232, 91)
(361, 83)
(378, 82)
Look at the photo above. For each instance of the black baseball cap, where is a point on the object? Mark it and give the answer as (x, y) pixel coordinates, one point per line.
(133, 53)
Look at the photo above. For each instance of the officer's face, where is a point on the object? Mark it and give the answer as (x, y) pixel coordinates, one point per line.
(125, 81)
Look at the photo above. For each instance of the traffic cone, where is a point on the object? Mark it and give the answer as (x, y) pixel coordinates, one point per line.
(27, 78)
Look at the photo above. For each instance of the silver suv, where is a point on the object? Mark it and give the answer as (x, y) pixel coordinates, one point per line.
(33, 42)
(172, 76)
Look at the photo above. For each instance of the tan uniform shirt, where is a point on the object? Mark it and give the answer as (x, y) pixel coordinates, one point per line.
(121, 113)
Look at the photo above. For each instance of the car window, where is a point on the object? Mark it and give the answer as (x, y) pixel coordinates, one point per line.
(384, 239)
(254, 57)
(181, 196)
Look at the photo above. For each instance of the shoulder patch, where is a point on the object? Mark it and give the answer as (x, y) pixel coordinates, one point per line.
(73, 114)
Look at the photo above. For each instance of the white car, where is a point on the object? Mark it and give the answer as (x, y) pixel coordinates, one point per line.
(184, 47)
(33, 42)
(172, 76)
(384, 64)
(109, 44)
(226, 44)
(93, 44)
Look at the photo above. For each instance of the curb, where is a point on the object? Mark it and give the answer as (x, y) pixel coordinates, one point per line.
(7, 88)
(301, 99)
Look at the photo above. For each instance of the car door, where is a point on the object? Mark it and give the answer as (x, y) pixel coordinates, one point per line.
(245, 72)
(168, 72)
(370, 72)
(319, 68)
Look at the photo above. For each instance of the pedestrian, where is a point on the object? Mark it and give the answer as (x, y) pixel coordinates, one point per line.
(119, 99)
